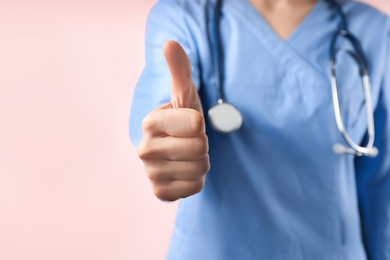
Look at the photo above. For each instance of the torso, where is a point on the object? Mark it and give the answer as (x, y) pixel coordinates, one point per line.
(261, 199)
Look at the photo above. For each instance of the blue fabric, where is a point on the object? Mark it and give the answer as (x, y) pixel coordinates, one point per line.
(276, 190)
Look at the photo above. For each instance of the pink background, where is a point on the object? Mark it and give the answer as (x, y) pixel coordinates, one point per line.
(71, 185)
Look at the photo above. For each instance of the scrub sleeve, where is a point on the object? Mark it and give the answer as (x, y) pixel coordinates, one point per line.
(165, 22)
(373, 176)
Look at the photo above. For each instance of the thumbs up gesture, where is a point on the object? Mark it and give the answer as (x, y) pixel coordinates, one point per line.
(174, 147)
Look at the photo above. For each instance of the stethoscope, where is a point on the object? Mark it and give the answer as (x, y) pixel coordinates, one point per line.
(226, 118)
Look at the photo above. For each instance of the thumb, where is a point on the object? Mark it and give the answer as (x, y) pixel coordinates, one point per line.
(184, 93)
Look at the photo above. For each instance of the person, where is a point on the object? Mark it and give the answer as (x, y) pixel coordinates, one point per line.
(274, 189)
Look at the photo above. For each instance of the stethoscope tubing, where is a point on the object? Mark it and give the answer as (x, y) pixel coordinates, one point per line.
(361, 60)
(217, 52)
(358, 56)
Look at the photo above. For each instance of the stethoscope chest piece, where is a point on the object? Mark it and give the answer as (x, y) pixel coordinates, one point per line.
(225, 118)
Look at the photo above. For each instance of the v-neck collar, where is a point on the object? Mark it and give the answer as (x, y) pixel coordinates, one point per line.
(280, 48)
(304, 22)
(252, 11)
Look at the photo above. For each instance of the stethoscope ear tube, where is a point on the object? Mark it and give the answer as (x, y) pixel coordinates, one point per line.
(342, 149)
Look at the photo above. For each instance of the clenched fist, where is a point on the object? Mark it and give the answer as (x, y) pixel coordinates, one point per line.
(174, 147)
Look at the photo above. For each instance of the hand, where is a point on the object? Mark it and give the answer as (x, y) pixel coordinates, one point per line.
(174, 147)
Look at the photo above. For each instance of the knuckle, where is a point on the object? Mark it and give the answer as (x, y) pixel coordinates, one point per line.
(144, 149)
(203, 180)
(198, 185)
(202, 145)
(141, 150)
(154, 174)
(205, 165)
(205, 141)
(148, 123)
(197, 122)
(161, 192)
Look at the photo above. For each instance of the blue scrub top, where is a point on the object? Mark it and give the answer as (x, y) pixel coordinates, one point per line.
(276, 190)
